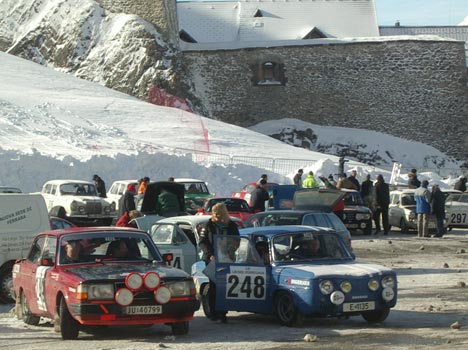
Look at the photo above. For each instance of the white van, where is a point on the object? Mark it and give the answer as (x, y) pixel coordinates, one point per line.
(22, 216)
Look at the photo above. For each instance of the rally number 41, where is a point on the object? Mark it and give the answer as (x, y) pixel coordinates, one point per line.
(245, 286)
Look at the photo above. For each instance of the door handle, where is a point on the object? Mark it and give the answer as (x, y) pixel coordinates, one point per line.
(220, 269)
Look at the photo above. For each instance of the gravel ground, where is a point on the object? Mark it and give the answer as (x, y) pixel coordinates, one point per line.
(432, 298)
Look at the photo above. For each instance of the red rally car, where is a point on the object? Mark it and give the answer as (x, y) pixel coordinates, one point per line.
(101, 276)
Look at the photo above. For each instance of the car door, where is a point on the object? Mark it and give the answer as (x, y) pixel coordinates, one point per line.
(242, 279)
(171, 239)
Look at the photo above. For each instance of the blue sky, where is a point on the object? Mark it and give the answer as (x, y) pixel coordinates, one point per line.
(421, 12)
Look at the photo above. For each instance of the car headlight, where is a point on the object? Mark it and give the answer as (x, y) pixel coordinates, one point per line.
(412, 215)
(112, 206)
(124, 297)
(181, 289)
(346, 286)
(73, 206)
(326, 287)
(388, 282)
(162, 295)
(344, 216)
(133, 281)
(82, 209)
(373, 285)
(107, 210)
(95, 291)
(363, 216)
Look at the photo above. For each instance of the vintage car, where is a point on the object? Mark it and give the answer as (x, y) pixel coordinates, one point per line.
(79, 201)
(101, 277)
(236, 207)
(196, 192)
(246, 191)
(402, 211)
(356, 216)
(456, 210)
(319, 218)
(179, 236)
(293, 272)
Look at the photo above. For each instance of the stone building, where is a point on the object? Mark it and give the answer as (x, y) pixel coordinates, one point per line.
(321, 61)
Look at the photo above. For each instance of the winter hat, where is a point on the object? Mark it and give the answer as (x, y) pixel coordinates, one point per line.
(131, 187)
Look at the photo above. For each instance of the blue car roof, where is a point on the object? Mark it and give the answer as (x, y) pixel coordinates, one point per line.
(274, 230)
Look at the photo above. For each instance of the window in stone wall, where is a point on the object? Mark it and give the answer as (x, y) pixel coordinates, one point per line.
(269, 73)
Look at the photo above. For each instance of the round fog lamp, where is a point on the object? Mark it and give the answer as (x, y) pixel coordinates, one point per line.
(373, 285)
(133, 281)
(151, 280)
(337, 297)
(326, 287)
(388, 294)
(124, 297)
(388, 281)
(162, 295)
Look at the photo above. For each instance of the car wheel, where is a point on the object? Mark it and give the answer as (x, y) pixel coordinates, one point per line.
(7, 292)
(286, 312)
(404, 226)
(205, 300)
(24, 313)
(180, 328)
(69, 328)
(376, 316)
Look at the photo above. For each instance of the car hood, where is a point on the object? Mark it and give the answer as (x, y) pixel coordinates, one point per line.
(118, 271)
(317, 199)
(358, 208)
(334, 270)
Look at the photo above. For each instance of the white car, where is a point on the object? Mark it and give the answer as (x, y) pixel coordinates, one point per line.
(456, 210)
(79, 201)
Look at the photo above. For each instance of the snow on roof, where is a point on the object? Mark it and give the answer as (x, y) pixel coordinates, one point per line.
(269, 20)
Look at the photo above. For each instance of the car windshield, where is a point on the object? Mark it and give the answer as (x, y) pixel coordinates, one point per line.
(307, 246)
(196, 187)
(233, 205)
(78, 189)
(106, 246)
(353, 198)
(280, 219)
(461, 198)
(408, 200)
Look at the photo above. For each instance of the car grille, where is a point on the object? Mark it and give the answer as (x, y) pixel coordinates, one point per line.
(93, 207)
(350, 217)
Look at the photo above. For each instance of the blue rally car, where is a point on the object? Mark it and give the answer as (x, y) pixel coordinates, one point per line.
(293, 272)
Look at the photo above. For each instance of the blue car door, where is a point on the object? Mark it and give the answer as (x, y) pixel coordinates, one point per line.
(242, 279)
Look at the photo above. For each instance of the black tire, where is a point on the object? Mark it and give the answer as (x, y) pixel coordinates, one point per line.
(24, 314)
(286, 312)
(403, 226)
(69, 327)
(376, 316)
(7, 292)
(205, 301)
(180, 328)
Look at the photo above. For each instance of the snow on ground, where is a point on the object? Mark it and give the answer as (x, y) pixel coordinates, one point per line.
(53, 125)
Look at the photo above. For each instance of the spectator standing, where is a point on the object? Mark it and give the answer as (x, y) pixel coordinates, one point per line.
(460, 184)
(170, 179)
(219, 224)
(263, 176)
(259, 197)
(382, 201)
(142, 185)
(438, 209)
(354, 180)
(413, 181)
(298, 178)
(310, 181)
(367, 187)
(332, 181)
(128, 202)
(100, 186)
(422, 196)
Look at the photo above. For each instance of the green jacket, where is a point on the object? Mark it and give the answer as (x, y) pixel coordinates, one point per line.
(168, 204)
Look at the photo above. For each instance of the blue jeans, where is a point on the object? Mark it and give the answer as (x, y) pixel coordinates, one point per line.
(440, 225)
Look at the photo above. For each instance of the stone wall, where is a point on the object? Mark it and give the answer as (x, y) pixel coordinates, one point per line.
(161, 13)
(408, 88)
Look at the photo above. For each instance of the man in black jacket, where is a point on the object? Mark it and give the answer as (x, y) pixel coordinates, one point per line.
(382, 201)
(259, 197)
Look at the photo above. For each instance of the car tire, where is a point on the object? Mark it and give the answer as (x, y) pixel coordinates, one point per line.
(180, 328)
(286, 312)
(403, 226)
(24, 314)
(69, 327)
(205, 301)
(7, 293)
(376, 316)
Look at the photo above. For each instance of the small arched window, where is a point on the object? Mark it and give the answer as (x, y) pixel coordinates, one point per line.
(269, 72)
